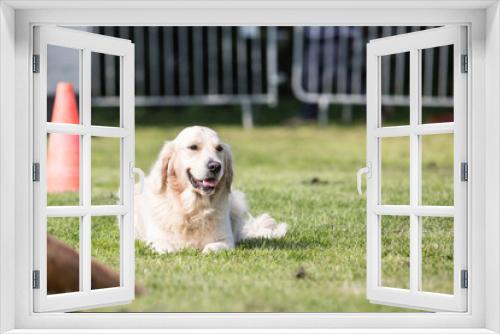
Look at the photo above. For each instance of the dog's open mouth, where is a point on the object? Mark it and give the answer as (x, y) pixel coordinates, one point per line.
(206, 185)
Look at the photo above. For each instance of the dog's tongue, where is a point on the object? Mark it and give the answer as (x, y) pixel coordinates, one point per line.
(209, 183)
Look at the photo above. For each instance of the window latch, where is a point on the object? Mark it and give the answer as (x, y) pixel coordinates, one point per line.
(137, 171)
(365, 170)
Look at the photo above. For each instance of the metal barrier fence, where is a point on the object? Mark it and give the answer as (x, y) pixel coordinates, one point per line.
(328, 67)
(178, 66)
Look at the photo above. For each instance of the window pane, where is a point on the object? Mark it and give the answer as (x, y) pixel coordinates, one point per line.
(395, 170)
(63, 169)
(394, 88)
(105, 170)
(105, 89)
(63, 84)
(63, 260)
(437, 84)
(437, 169)
(105, 252)
(437, 254)
(395, 251)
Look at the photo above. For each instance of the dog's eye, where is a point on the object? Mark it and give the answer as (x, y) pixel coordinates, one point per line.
(219, 148)
(193, 147)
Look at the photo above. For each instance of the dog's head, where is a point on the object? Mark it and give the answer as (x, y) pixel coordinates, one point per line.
(196, 159)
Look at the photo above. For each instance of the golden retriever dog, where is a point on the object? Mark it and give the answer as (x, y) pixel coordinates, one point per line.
(188, 202)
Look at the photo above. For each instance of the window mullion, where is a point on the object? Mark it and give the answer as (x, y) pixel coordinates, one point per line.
(85, 167)
(415, 157)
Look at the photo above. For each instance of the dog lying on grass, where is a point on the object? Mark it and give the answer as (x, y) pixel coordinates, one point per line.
(63, 270)
(188, 202)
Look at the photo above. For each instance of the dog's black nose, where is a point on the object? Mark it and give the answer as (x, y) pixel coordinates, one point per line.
(214, 166)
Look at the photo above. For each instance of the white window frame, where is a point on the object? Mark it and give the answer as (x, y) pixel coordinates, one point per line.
(84, 43)
(16, 21)
(413, 44)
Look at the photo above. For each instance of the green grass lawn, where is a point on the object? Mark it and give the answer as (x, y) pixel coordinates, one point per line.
(302, 176)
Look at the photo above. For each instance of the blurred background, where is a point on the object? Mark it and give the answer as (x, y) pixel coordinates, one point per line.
(257, 75)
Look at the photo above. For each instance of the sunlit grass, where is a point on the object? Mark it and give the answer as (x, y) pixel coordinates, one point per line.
(303, 176)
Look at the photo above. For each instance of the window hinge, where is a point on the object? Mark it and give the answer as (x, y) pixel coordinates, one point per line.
(36, 64)
(465, 64)
(464, 279)
(464, 171)
(36, 172)
(36, 279)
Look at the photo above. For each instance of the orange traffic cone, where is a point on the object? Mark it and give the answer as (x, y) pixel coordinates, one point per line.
(63, 153)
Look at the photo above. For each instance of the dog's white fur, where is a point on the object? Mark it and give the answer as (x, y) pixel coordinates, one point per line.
(173, 213)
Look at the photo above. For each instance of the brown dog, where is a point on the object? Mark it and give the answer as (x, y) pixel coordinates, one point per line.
(63, 270)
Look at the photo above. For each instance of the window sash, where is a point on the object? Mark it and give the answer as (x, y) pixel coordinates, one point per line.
(414, 296)
(85, 43)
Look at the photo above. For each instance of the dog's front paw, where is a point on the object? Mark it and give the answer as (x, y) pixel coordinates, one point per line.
(162, 247)
(216, 247)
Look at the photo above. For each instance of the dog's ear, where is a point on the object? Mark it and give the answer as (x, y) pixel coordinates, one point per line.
(163, 167)
(228, 166)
